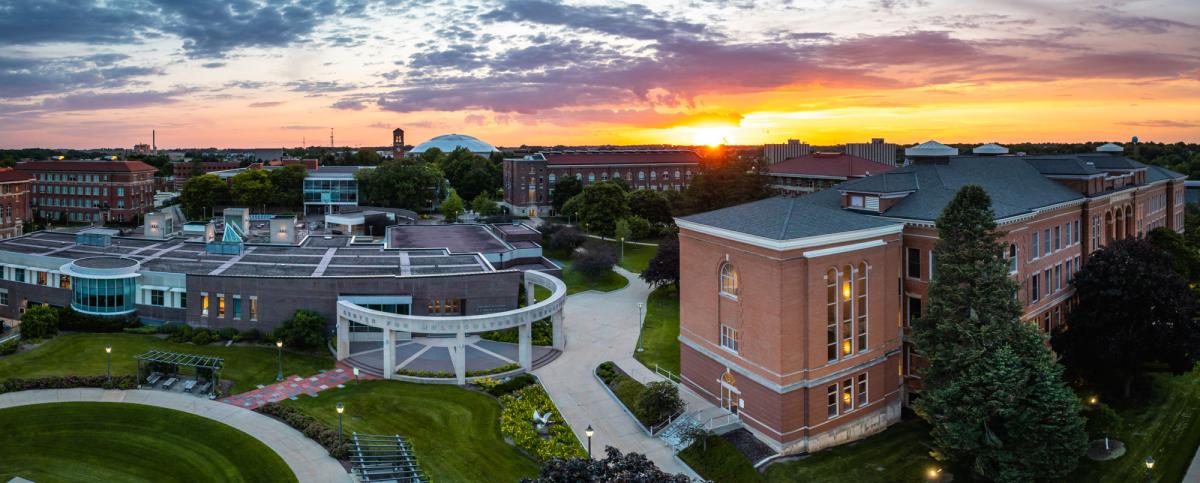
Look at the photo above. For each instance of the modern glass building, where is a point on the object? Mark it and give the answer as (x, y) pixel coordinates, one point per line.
(103, 285)
(329, 188)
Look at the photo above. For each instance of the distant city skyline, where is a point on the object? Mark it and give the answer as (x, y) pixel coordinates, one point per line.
(251, 74)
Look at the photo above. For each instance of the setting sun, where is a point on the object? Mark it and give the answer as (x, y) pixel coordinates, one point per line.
(712, 136)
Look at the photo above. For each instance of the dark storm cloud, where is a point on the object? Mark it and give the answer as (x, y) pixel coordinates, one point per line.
(22, 77)
(1141, 24)
(40, 21)
(633, 21)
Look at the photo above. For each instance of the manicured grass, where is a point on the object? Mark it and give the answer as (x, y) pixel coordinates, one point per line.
(83, 355)
(899, 454)
(720, 462)
(104, 442)
(637, 257)
(608, 282)
(660, 332)
(455, 432)
(1166, 426)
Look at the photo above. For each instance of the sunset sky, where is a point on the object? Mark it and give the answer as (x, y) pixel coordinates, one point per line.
(243, 73)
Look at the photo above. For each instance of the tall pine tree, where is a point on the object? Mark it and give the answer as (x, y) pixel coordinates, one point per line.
(992, 391)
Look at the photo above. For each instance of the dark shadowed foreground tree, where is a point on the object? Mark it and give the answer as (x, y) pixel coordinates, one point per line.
(992, 392)
(595, 260)
(726, 183)
(629, 467)
(664, 267)
(1132, 311)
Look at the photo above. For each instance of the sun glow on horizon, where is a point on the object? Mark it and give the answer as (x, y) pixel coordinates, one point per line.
(712, 136)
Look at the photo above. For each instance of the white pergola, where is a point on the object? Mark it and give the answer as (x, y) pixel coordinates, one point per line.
(522, 318)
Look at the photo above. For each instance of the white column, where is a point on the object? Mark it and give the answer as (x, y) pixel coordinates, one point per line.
(530, 294)
(556, 323)
(343, 338)
(389, 353)
(525, 346)
(460, 358)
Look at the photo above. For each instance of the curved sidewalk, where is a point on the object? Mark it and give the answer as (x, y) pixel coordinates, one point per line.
(603, 326)
(307, 459)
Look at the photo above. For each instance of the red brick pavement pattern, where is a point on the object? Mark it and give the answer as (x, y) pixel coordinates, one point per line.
(293, 386)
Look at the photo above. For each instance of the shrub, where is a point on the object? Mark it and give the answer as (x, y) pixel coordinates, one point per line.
(228, 333)
(68, 382)
(305, 330)
(310, 427)
(516, 423)
(10, 347)
(202, 337)
(252, 335)
(567, 238)
(144, 330)
(39, 322)
(659, 401)
(512, 384)
(595, 260)
(170, 328)
(71, 320)
(1101, 420)
(607, 372)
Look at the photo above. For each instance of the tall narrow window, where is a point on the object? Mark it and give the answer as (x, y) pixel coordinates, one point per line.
(862, 390)
(914, 263)
(253, 308)
(1036, 244)
(1075, 232)
(220, 306)
(729, 280)
(861, 309)
(204, 305)
(831, 401)
(847, 332)
(914, 309)
(847, 395)
(1046, 241)
(831, 318)
(1058, 277)
(237, 307)
(729, 338)
(1046, 280)
(1067, 235)
(1035, 292)
(1012, 258)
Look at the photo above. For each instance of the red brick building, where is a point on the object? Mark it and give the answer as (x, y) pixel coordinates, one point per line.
(14, 202)
(529, 181)
(812, 172)
(187, 169)
(795, 311)
(90, 191)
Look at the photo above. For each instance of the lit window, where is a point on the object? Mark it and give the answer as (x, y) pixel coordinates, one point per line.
(831, 281)
(847, 395)
(861, 295)
(729, 338)
(220, 306)
(253, 308)
(847, 319)
(204, 305)
(729, 280)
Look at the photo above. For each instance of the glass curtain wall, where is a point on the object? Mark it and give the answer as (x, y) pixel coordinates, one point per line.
(103, 296)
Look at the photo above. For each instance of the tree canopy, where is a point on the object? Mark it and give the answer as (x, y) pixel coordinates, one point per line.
(664, 267)
(251, 188)
(629, 467)
(565, 188)
(992, 391)
(452, 206)
(287, 185)
(400, 183)
(601, 205)
(1131, 312)
(202, 194)
(725, 183)
(651, 205)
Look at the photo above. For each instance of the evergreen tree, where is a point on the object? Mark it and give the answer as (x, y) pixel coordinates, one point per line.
(992, 391)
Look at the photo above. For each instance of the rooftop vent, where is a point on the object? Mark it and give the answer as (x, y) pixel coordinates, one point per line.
(1110, 148)
(990, 150)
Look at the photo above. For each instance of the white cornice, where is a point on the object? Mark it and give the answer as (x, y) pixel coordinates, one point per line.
(844, 249)
(792, 244)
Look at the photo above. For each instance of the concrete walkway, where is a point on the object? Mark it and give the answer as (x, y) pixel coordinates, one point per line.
(293, 386)
(307, 459)
(603, 326)
(1193, 472)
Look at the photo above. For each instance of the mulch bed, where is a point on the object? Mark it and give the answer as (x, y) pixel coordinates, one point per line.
(750, 447)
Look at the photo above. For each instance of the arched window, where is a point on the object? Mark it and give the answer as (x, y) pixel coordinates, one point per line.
(847, 310)
(552, 178)
(641, 175)
(861, 295)
(654, 175)
(1012, 258)
(677, 174)
(591, 177)
(831, 318)
(729, 280)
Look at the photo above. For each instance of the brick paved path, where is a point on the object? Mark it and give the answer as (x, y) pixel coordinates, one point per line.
(293, 386)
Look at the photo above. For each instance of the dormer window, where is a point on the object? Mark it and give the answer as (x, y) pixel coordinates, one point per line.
(856, 201)
(862, 202)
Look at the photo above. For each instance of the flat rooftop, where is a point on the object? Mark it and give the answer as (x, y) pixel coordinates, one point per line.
(454, 238)
(318, 256)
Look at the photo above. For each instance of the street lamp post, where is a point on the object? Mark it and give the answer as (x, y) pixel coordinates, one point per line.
(279, 345)
(356, 375)
(340, 410)
(108, 363)
(1149, 468)
(641, 325)
(589, 432)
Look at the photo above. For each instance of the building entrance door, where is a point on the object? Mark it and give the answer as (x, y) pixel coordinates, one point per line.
(730, 396)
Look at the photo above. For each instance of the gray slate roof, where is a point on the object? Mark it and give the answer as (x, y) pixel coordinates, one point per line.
(787, 218)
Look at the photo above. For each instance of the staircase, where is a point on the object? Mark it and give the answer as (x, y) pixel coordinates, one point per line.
(674, 433)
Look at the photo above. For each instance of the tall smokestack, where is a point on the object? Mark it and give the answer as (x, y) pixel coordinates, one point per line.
(154, 141)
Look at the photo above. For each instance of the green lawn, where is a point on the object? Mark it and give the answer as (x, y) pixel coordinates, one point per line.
(576, 282)
(455, 432)
(899, 454)
(105, 442)
(637, 257)
(720, 462)
(1167, 426)
(83, 355)
(660, 333)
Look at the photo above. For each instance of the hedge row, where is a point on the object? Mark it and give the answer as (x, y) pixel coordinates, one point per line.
(68, 382)
(311, 427)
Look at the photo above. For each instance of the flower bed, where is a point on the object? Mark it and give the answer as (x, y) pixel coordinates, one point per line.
(447, 375)
(312, 429)
(67, 382)
(516, 422)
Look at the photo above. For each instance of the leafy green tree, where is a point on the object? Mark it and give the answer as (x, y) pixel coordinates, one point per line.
(659, 401)
(601, 205)
(570, 209)
(202, 194)
(664, 267)
(640, 229)
(401, 183)
(622, 230)
(565, 188)
(1184, 256)
(595, 260)
(992, 391)
(484, 205)
(452, 207)
(726, 183)
(287, 186)
(305, 330)
(39, 322)
(1131, 313)
(365, 157)
(251, 188)
(470, 173)
(629, 467)
(651, 205)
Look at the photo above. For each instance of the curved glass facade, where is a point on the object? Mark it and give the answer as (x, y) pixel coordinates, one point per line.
(103, 296)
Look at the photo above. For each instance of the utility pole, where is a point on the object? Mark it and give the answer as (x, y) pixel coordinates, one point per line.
(330, 138)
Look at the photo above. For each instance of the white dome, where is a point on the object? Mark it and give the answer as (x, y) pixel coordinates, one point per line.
(931, 148)
(450, 142)
(1110, 148)
(990, 148)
